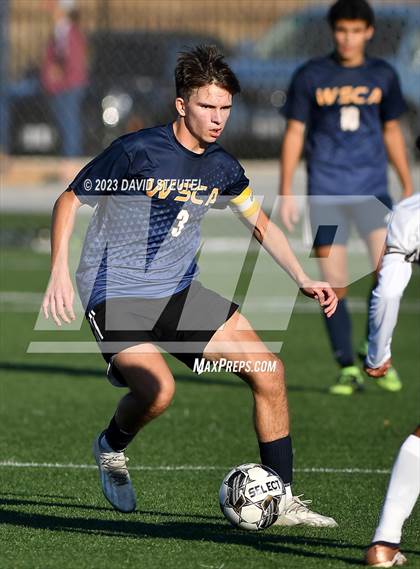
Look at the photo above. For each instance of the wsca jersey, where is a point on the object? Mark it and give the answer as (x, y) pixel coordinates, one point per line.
(344, 109)
(150, 194)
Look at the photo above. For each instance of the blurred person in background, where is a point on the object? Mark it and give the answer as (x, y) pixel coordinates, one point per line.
(63, 78)
(349, 105)
(4, 18)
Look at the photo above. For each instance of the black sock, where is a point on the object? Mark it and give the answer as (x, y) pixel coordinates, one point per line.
(278, 455)
(116, 438)
(339, 332)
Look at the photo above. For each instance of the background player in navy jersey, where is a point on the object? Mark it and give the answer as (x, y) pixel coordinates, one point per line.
(137, 276)
(349, 105)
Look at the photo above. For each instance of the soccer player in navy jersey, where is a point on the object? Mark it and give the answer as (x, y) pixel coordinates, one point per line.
(137, 275)
(348, 105)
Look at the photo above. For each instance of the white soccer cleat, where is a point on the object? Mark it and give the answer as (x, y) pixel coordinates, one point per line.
(115, 479)
(297, 512)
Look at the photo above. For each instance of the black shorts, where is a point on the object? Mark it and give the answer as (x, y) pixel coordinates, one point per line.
(181, 324)
(332, 217)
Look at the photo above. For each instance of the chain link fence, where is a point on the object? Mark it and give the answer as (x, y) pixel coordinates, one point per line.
(76, 74)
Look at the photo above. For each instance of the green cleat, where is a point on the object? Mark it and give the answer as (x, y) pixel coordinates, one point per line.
(349, 381)
(390, 381)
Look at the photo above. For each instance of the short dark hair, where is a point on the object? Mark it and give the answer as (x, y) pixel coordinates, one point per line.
(203, 65)
(351, 10)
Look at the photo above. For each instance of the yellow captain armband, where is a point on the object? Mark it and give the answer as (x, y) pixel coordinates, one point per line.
(245, 204)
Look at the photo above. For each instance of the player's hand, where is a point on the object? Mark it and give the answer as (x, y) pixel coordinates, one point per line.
(323, 293)
(289, 212)
(58, 299)
(407, 192)
(378, 371)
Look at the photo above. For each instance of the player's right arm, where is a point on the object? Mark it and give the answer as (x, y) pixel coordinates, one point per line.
(59, 297)
(297, 112)
(290, 154)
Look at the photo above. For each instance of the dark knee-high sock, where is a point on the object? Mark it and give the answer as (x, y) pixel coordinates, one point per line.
(115, 437)
(278, 455)
(339, 332)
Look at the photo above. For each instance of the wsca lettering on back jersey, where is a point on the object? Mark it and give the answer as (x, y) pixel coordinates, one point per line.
(344, 109)
(150, 194)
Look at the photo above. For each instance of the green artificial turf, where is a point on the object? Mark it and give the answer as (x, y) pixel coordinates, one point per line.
(53, 405)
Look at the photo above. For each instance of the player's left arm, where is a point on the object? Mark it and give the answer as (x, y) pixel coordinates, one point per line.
(276, 244)
(397, 153)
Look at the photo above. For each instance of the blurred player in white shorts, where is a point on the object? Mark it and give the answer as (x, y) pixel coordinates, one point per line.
(402, 250)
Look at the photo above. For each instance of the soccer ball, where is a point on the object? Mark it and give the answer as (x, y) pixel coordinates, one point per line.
(252, 497)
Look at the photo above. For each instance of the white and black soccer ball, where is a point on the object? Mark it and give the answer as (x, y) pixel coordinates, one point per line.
(252, 496)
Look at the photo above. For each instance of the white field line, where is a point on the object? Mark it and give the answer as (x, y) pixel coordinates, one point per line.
(184, 467)
(12, 301)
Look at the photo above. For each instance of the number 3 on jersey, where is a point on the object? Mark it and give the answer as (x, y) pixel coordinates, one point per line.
(182, 218)
(350, 118)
